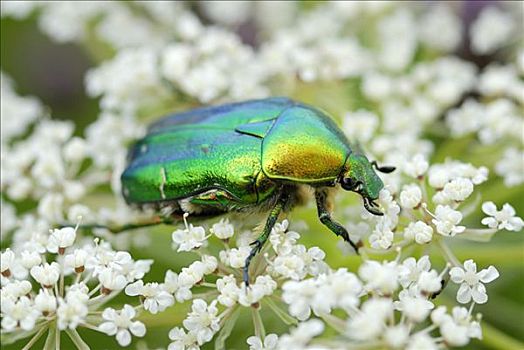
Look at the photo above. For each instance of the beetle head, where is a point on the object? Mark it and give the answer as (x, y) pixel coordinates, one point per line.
(362, 179)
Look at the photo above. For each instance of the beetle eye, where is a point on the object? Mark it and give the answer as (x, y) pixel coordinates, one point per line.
(348, 184)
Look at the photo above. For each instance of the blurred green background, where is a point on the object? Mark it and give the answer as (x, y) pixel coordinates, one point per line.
(54, 73)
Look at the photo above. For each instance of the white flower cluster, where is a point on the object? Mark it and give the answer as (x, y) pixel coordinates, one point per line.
(387, 68)
(69, 288)
(372, 302)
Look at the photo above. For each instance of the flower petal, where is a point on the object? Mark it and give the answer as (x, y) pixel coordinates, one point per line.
(464, 294)
(489, 274)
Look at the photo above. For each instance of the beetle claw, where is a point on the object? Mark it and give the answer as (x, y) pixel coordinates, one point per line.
(383, 169)
(372, 207)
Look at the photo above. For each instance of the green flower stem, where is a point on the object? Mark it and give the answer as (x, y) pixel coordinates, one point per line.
(283, 315)
(499, 340)
(35, 338)
(77, 340)
(260, 330)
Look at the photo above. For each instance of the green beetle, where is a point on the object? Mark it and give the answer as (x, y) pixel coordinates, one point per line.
(253, 155)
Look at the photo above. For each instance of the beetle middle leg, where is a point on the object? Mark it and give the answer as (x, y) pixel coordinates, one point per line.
(325, 217)
(281, 203)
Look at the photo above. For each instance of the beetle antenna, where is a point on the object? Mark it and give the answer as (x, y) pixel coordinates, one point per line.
(383, 169)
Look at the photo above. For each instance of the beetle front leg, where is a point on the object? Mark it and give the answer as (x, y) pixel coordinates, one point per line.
(259, 243)
(325, 217)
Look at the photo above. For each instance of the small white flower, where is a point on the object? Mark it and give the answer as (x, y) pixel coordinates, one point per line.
(491, 30)
(45, 302)
(429, 282)
(61, 239)
(290, 266)
(421, 232)
(396, 336)
(18, 313)
(182, 340)
(203, 320)
(471, 282)
(121, 324)
(410, 196)
(229, 291)
(223, 229)
(235, 257)
(457, 329)
(421, 340)
(510, 166)
(301, 335)
(300, 297)
(360, 125)
(417, 167)
(7, 260)
(458, 189)
(76, 260)
(173, 286)
(369, 324)
(382, 278)
(503, 219)
(382, 236)
(189, 238)
(46, 274)
(447, 220)
(414, 306)
(71, 313)
(263, 286)
(411, 269)
(270, 342)
(28, 259)
(111, 280)
(155, 299)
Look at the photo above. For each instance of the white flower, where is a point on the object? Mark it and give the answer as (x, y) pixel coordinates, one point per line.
(281, 239)
(76, 260)
(471, 282)
(440, 28)
(235, 257)
(223, 229)
(503, 219)
(369, 324)
(7, 260)
(421, 232)
(202, 320)
(173, 286)
(122, 324)
(421, 340)
(446, 221)
(382, 236)
(70, 313)
(382, 278)
(414, 306)
(18, 313)
(155, 299)
(229, 291)
(300, 297)
(45, 302)
(492, 29)
(510, 167)
(290, 266)
(263, 286)
(300, 336)
(429, 282)
(410, 196)
(396, 336)
(28, 259)
(182, 340)
(61, 239)
(458, 328)
(360, 125)
(270, 342)
(458, 189)
(189, 238)
(46, 274)
(111, 280)
(466, 118)
(411, 269)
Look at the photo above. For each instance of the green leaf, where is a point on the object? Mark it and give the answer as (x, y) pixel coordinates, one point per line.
(227, 328)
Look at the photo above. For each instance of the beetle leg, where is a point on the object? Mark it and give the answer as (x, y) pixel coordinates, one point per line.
(117, 229)
(270, 222)
(325, 218)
